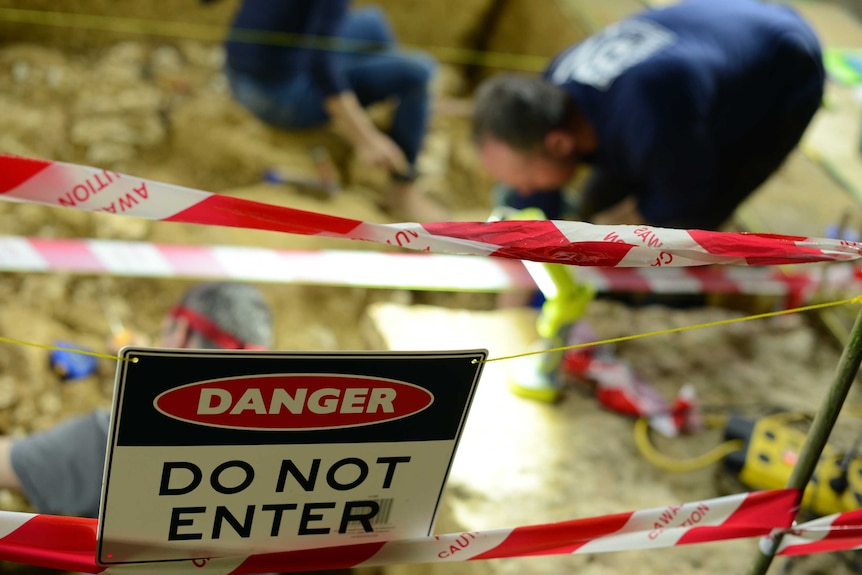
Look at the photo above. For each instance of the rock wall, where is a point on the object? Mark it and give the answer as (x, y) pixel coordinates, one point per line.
(106, 22)
(447, 29)
(443, 23)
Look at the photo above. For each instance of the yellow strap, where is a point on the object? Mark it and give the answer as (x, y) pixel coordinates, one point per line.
(857, 299)
(651, 454)
(69, 349)
(217, 33)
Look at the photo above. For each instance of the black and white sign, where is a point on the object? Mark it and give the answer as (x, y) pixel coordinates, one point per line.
(215, 453)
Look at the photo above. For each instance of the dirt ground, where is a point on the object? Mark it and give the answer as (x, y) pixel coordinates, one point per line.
(162, 111)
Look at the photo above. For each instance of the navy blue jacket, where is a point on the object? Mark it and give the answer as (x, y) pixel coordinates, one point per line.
(669, 91)
(277, 38)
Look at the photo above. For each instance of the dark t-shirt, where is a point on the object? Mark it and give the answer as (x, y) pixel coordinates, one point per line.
(669, 91)
(279, 38)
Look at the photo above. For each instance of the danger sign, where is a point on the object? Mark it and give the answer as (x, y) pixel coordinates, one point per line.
(214, 453)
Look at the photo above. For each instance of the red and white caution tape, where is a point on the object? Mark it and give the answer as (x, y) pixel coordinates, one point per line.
(839, 532)
(577, 243)
(64, 543)
(395, 270)
(70, 543)
(348, 268)
(766, 280)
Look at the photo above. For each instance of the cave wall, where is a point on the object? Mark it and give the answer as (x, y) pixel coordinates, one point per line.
(448, 29)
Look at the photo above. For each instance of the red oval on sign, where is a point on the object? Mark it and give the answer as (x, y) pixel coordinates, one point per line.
(307, 401)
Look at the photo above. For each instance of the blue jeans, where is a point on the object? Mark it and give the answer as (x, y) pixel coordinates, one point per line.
(296, 102)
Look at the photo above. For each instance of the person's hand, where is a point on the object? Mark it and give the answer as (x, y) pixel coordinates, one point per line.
(377, 149)
(372, 146)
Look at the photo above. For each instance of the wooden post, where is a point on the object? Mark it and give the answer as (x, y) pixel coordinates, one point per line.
(821, 427)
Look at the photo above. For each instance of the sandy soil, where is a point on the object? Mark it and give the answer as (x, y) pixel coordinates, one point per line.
(162, 112)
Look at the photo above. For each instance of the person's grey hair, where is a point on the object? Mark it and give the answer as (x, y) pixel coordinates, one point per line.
(236, 308)
(519, 110)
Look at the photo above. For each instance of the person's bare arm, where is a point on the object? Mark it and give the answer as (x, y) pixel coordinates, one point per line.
(8, 478)
(371, 145)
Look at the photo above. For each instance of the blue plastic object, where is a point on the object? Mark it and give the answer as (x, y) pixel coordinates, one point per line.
(839, 232)
(272, 177)
(70, 365)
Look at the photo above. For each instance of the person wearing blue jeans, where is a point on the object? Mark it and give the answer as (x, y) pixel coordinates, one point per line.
(298, 64)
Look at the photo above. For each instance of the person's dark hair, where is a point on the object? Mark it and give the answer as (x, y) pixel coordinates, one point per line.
(237, 309)
(519, 110)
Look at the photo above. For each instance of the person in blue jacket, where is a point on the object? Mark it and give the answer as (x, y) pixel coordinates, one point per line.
(680, 112)
(302, 63)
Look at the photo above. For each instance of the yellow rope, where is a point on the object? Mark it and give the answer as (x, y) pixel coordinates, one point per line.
(857, 299)
(649, 452)
(69, 349)
(217, 33)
